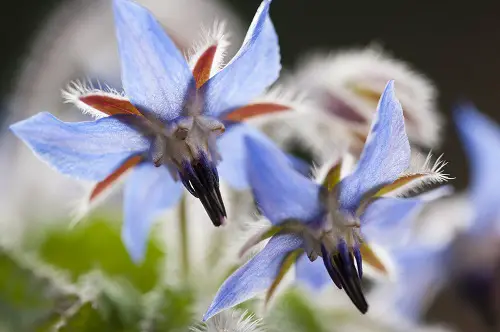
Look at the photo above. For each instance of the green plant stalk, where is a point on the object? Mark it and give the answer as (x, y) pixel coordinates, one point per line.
(184, 238)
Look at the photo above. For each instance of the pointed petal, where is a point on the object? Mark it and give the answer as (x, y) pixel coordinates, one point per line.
(149, 191)
(280, 191)
(389, 221)
(481, 139)
(255, 276)
(88, 150)
(300, 165)
(385, 156)
(253, 110)
(253, 69)
(420, 274)
(312, 274)
(155, 75)
(113, 177)
(231, 146)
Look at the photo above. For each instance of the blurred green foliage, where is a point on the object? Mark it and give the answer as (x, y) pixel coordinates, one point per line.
(82, 279)
(111, 293)
(27, 299)
(96, 244)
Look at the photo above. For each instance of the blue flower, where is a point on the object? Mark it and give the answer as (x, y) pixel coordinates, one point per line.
(312, 220)
(470, 257)
(176, 122)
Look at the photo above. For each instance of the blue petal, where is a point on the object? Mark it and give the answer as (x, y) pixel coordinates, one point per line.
(149, 190)
(281, 192)
(481, 139)
(420, 273)
(385, 156)
(252, 70)
(231, 146)
(312, 274)
(155, 75)
(255, 276)
(89, 150)
(389, 221)
(300, 165)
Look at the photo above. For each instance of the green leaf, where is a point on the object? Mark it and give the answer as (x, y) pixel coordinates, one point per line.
(97, 244)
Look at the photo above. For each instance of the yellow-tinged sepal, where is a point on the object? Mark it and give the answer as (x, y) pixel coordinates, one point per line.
(399, 183)
(287, 263)
(375, 261)
(412, 181)
(285, 227)
(332, 178)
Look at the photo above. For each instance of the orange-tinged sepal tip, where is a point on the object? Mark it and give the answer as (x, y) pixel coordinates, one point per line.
(113, 177)
(109, 105)
(203, 67)
(253, 110)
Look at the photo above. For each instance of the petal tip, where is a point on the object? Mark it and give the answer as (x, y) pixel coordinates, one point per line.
(135, 249)
(209, 314)
(389, 89)
(21, 128)
(464, 111)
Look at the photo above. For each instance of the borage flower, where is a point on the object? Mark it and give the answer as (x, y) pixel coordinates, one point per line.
(166, 124)
(324, 220)
(468, 259)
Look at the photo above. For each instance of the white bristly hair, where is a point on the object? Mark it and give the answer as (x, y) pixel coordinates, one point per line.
(217, 35)
(77, 89)
(231, 320)
(430, 172)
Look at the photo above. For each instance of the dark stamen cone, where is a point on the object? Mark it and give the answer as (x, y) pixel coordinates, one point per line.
(202, 181)
(350, 281)
(342, 270)
(329, 267)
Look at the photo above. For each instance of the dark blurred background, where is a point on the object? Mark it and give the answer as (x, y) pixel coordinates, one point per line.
(455, 44)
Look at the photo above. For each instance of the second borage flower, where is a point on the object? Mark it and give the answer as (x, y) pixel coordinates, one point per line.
(332, 221)
(176, 122)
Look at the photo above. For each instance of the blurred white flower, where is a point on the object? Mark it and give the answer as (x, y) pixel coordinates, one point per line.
(343, 89)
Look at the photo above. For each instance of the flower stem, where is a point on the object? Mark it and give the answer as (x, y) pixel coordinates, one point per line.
(184, 247)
